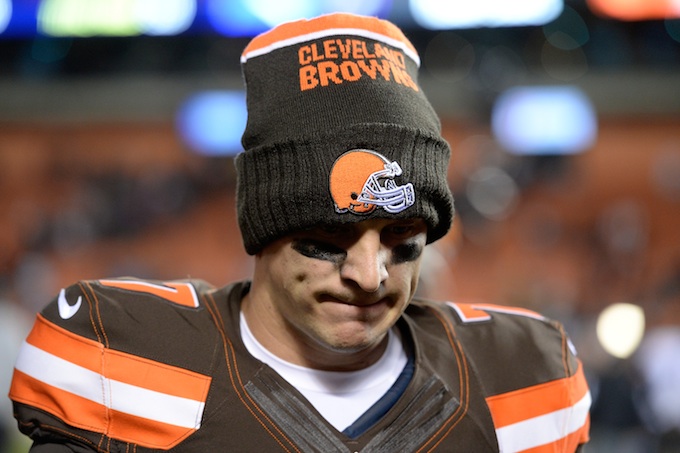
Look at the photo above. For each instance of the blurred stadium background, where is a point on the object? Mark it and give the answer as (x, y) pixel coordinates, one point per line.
(119, 120)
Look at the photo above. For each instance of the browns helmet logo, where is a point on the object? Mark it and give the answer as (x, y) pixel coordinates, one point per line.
(363, 180)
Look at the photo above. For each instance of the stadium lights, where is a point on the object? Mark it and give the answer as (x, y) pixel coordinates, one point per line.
(544, 120)
(211, 122)
(437, 15)
(83, 18)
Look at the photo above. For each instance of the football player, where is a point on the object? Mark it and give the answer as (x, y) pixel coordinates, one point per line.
(341, 185)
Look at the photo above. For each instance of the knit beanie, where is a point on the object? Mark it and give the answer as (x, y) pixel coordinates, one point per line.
(338, 131)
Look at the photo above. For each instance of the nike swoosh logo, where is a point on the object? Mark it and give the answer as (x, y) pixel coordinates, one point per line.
(67, 310)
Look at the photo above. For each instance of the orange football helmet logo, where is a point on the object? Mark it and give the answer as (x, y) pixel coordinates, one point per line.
(362, 180)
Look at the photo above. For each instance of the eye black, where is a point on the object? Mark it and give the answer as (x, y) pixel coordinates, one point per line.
(319, 250)
(407, 252)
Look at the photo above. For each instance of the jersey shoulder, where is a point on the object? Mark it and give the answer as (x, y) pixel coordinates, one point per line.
(124, 358)
(528, 372)
(90, 307)
(158, 320)
(523, 342)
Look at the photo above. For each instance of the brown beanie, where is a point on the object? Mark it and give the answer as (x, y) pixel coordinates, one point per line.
(338, 131)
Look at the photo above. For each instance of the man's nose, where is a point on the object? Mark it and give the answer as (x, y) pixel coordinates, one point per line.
(366, 262)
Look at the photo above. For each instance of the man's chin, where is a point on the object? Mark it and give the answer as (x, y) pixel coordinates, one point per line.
(354, 341)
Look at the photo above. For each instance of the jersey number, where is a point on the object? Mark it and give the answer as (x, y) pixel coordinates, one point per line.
(480, 312)
(179, 293)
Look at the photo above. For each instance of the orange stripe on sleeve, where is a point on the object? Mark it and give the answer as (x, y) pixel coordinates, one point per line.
(566, 444)
(123, 396)
(80, 412)
(85, 414)
(117, 365)
(60, 342)
(141, 431)
(156, 376)
(520, 405)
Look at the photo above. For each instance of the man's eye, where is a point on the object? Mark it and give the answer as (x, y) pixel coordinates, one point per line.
(401, 230)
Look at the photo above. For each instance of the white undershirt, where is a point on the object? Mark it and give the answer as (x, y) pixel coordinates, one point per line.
(341, 397)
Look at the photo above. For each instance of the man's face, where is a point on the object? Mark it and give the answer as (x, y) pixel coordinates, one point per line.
(335, 291)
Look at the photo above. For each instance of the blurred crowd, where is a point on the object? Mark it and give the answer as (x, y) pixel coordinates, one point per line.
(564, 235)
